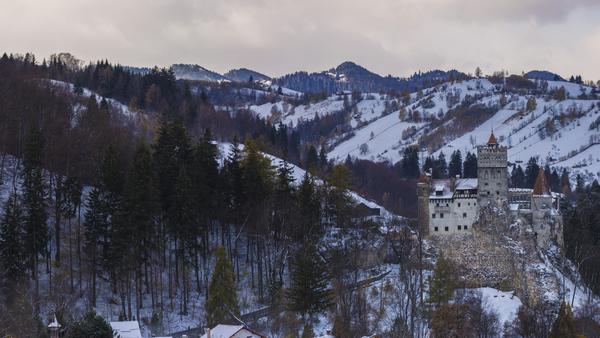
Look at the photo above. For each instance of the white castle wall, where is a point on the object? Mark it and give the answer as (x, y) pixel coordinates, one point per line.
(456, 212)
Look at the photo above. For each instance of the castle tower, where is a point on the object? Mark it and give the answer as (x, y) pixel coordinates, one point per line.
(423, 205)
(492, 172)
(546, 227)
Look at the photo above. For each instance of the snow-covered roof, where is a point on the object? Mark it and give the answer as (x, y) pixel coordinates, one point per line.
(466, 183)
(54, 324)
(127, 329)
(441, 189)
(223, 331)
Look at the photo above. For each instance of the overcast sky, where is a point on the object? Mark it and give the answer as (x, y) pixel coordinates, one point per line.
(275, 37)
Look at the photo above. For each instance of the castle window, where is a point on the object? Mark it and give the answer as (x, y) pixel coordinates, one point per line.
(459, 204)
(466, 227)
(435, 229)
(437, 204)
(488, 192)
(497, 192)
(474, 203)
(459, 227)
(445, 228)
(486, 183)
(447, 204)
(469, 203)
(433, 215)
(464, 215)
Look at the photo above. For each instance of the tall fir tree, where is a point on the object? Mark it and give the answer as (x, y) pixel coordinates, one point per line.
(308, 293)
(221, 305)
(409, 164)
(12, 253)
(442, 282)
(470, 166)
(455, 165)
(517, 177)
(233, 173)
(440, 168)
(309, 210)
(34, 201)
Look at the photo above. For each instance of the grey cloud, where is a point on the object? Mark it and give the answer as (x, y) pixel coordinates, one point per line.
(279, 36)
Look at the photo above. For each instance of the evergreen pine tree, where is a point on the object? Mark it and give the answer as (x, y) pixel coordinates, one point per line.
(564, 326)
(221, 304)
(517, 177)
(90, 326)
(308, 293)
(470, 166)
(440, 168)
(410, 162)
(233, 173)
(12, 253)
(95, 227)
(455, 165)
(442, 282)
(309, 210)
(322, 158)
(312, 159)
(531, 172)
(34, 203)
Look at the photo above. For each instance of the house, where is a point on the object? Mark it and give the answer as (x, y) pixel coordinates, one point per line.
(126, 329)
(363, 212)
(231, 331)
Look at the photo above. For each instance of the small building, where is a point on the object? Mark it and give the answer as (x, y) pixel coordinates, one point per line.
(126, 329)
(231, 331)
(364, 212)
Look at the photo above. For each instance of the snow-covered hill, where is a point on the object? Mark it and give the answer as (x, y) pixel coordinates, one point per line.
(562, 132)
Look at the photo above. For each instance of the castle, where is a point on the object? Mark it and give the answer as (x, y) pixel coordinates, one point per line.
(452, 206)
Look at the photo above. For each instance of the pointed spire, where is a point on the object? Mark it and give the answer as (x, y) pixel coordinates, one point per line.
(541, 184)
(492, 141)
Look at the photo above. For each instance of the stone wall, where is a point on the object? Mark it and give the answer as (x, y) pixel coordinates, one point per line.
(499, 252)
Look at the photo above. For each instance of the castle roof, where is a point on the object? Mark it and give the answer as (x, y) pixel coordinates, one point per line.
(541, 184)
(492, 141)
(446, 187)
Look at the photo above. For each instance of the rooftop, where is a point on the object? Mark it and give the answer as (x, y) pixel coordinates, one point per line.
(127, 329)
(541, 188)
(225, 331)
(492, 141)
